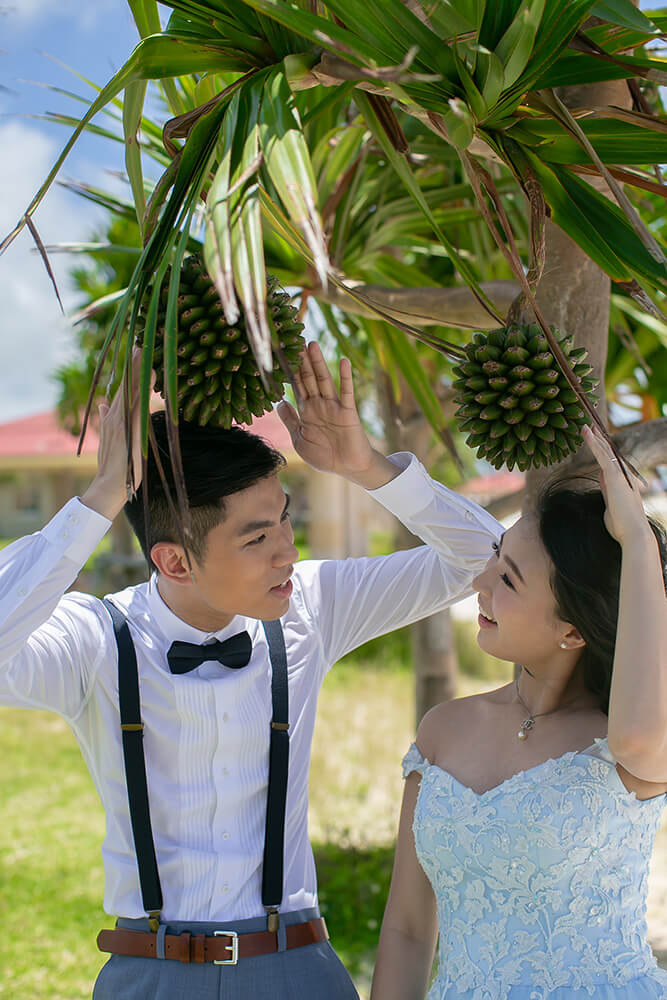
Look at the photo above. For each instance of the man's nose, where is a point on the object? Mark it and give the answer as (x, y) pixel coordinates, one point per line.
(287, 553)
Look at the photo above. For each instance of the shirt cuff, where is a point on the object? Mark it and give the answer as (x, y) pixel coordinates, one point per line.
(413, 490)
(76, 530)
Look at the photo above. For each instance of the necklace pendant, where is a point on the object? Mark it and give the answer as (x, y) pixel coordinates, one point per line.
(526, 726)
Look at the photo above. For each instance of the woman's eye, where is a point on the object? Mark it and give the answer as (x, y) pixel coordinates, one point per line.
(503, 576)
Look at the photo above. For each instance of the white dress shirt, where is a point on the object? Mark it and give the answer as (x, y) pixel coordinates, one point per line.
(206, 733)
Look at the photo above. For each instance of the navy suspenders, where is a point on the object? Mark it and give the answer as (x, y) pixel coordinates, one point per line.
(135, 771)
(132, 730)
(274, 836)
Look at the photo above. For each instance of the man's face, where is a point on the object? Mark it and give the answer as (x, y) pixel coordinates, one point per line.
(247, 564)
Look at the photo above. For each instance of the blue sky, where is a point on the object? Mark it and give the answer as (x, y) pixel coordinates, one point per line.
(93, 38)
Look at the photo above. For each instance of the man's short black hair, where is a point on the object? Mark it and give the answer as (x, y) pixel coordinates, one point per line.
(217, 463)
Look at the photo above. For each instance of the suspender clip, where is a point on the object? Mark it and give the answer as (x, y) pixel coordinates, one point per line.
(154, 920)
(273, 919)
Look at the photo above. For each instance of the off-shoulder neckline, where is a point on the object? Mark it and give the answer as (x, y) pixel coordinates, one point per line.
(512, 777)
(568, 755)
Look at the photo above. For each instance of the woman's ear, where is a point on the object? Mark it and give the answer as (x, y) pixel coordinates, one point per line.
(171, 563)
(572, 639)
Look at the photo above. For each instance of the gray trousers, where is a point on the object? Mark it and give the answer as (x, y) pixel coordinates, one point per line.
(313, 972)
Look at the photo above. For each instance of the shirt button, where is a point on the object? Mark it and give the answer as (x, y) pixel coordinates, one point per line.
(23, 591)
(225, 888)
(225, 772)
(468, 515)
(64, 533)
(225, 717)
(225, 835)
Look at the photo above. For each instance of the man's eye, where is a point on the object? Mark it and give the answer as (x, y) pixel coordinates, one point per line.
(256, 541)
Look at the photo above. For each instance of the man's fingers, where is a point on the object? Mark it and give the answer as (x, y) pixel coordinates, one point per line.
(346, 384)
(289, 417)
(307, 376)
(325, 383)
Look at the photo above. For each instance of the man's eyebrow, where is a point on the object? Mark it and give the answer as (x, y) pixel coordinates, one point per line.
(510, 562)
(252, 526)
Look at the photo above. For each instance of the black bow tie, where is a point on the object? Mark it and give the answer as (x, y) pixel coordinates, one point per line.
(233, 652)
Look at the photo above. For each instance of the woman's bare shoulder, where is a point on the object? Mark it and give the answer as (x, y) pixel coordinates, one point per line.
(448, 718)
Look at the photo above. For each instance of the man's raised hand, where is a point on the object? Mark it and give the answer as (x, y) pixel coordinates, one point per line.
(108, 491)
(325, 428)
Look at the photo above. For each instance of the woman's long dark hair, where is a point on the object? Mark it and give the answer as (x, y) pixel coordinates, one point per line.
(586, 573)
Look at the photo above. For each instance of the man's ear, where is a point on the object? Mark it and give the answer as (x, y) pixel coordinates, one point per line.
(171, 563)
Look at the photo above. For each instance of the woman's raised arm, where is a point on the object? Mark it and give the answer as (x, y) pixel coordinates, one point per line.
(638, 701)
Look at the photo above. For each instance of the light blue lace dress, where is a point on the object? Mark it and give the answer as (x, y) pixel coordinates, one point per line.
(540, 882)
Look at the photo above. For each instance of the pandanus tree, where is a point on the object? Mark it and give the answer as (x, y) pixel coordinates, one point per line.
(274, 78)
(299, 134)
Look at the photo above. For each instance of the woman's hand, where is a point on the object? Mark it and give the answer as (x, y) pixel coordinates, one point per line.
(326, 431)
(624, 517)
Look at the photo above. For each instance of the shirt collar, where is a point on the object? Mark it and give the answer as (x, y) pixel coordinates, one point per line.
(174, 627)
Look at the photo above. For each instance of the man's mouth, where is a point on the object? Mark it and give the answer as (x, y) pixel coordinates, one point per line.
(283, 589)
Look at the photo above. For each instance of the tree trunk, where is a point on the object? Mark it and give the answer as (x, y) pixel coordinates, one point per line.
(574, 293)
(433, 643)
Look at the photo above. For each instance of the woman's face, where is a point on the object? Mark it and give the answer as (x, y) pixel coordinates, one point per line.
(518, 620)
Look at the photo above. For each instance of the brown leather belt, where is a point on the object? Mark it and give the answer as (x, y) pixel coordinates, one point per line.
(224, 947)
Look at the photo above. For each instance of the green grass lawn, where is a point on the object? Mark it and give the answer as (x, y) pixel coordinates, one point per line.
(51, 882)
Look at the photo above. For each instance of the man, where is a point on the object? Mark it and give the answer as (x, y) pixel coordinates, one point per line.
(207, 863)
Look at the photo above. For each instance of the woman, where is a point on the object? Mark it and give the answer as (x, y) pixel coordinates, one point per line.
(530, 811)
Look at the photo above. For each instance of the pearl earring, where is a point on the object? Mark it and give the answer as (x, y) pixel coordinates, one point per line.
(563, 645)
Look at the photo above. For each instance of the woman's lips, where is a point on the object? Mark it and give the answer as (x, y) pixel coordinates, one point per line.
(485, 622)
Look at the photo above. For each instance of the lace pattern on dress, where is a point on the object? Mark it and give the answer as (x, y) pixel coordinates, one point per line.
(541, 881)
(413, 761)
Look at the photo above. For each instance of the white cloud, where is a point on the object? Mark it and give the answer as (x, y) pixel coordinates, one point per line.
(84, 15)
(34, 337)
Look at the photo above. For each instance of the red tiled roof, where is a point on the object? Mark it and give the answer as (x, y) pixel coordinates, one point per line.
(42, 435)
(270, 427)
(494, 484)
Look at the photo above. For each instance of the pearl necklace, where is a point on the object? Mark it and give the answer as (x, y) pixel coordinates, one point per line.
(528, 723)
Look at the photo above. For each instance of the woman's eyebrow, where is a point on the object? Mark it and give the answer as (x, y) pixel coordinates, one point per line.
(510, 562)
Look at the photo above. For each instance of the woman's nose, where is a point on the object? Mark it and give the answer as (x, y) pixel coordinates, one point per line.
(482, 582)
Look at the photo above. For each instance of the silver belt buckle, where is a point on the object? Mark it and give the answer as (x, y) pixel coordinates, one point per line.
(233, 948)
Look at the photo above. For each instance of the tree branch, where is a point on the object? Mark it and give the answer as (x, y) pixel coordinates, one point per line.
(427, 306)
(645, 445)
